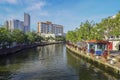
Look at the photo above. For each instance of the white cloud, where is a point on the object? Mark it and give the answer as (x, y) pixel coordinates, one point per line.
(36, 6)
(9, 1)
(33, 7)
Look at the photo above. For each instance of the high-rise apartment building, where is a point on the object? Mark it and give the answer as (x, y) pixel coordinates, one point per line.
(17, 24)
(26, 22)
(14, 24)
(48, 27)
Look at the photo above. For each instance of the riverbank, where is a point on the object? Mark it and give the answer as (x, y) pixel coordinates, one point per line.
(8, 51)
(111, 69)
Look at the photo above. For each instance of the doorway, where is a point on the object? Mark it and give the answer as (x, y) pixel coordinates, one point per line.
(119, 47)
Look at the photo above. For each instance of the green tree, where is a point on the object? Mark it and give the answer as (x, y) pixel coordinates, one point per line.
(4, 37)
(71, 36)
(84, 31)
(109, 26)
(30, 37)
(18, 36)
(60, 38)
(38, 38)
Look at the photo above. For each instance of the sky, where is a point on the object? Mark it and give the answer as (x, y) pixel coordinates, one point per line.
(69, 13)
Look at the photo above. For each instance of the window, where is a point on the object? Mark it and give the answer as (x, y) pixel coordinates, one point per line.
(111, 37)
(101, 47)
(92, 46)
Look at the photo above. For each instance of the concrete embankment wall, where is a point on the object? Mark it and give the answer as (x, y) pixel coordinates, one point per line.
(9, 51)
(110, 69)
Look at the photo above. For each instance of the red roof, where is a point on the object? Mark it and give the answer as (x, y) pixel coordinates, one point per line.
(97, 41)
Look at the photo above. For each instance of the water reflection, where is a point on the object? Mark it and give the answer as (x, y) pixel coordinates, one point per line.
(50, 62)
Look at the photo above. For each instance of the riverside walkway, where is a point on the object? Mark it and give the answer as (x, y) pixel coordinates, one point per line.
(110, 67)
(116, 56)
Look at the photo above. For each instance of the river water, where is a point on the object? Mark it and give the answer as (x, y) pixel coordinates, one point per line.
(51, 62)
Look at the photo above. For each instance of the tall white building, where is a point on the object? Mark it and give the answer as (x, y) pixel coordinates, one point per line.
(26, 22)
(14, 24)
(20, 25)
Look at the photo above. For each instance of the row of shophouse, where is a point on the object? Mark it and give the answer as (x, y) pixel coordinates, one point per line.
(114, 43)
(100, 46)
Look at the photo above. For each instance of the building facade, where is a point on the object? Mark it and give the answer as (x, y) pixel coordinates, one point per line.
(14, 24)
(49, 28)
(114, 42)
(20, 25)
(26, 22)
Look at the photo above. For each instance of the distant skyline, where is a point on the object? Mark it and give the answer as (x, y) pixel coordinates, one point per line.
(69, 13)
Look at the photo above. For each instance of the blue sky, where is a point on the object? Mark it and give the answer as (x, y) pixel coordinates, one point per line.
(69, 13)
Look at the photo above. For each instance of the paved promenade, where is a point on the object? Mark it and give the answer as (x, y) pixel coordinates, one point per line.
(115, 55)
(111, 64)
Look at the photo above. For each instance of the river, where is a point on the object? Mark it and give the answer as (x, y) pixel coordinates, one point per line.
(51, 62)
